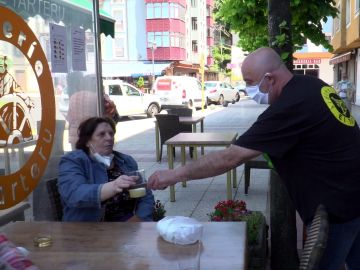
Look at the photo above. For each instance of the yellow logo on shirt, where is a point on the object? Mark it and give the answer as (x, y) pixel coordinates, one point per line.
(337, 106)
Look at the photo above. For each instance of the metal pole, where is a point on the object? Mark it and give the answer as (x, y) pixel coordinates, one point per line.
(96, 24)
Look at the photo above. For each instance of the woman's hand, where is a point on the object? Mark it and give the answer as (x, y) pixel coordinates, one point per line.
(123, 181)
(112, 188)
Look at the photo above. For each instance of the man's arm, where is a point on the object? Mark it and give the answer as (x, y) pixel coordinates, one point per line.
(213, 164)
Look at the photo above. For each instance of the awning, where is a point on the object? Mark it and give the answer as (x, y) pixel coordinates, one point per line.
(340, 58)
(70, 12)
(137, 69)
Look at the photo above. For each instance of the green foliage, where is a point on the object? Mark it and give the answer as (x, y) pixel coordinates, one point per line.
(140, 82)
(248, 18)
(222, 56)
(253, 222)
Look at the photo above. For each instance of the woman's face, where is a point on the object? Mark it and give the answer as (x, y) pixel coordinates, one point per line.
(102, 140)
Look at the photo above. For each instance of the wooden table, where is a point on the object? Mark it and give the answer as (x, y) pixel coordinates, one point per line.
(187, 120)
(126, 245)
(204, 140)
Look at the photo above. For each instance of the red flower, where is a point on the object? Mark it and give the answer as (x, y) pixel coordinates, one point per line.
(229, 210)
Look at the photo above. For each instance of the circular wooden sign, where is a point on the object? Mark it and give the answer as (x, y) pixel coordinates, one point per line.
(16, 186)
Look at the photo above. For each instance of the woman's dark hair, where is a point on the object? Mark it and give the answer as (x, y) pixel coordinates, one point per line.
(87, 129)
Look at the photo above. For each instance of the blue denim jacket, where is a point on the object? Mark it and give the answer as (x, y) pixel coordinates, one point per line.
(80, 180)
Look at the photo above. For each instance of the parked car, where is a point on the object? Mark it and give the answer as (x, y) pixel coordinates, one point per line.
(240, 86)
(129, 100)
(179, 91)
(221, 93)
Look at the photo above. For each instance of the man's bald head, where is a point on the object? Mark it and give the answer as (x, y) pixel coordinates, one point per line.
(265, 68)
(261, 61)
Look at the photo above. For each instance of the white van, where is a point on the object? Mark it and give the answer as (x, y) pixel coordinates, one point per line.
(175, 91)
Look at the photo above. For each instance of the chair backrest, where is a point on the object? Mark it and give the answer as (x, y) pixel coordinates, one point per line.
(316, 240)
(168, 126)
(181, 111)
(55, 199)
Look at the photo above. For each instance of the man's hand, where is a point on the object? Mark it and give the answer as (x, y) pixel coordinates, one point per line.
(162, 179)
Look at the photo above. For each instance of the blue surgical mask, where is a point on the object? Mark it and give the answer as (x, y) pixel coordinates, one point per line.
(254, 92)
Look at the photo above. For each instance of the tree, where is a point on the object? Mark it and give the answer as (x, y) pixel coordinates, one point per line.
(222, 56)
(249, 18)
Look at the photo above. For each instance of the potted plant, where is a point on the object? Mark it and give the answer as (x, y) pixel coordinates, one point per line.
(235, 210)
(159, 211)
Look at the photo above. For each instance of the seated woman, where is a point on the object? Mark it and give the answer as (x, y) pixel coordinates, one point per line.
(93, 182)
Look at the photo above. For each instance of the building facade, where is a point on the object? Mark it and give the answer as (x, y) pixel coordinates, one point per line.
(157, 37)
(346, 42)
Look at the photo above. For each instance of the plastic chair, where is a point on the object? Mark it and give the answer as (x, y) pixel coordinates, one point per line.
(55, 199)
(255, 163)
(183, 127)
(169, 126)
(316, 239)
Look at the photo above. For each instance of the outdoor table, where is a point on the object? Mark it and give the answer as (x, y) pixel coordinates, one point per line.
(188, 120)
(204, 139)
(126, 245)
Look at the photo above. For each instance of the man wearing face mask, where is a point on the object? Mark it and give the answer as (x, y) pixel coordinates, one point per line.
(93, 180)
(312, 141)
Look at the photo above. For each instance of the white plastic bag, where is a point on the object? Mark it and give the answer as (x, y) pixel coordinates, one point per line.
(180, 230)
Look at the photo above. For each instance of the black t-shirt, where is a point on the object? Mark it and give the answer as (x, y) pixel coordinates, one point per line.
(314, 145)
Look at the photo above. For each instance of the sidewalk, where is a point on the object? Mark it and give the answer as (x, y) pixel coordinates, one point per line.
(137, 138)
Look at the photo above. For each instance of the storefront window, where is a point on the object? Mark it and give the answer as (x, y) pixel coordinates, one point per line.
(63, 30)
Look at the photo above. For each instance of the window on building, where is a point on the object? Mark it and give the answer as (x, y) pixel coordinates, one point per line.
(194, 23)
(150, 38)
(118, 15)
(165, 10)
(193, 3)
(119, 47)
(347, 12)
(182, 40)
(172, 10)
(150, 11)
(210, 32)
(158, 39)
(194, 45)
(208, 11)
(157, 10)
(181, 14)
(166, 39)
(357, 5)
